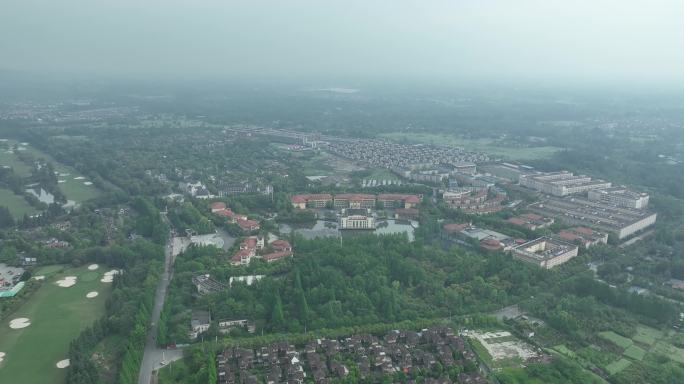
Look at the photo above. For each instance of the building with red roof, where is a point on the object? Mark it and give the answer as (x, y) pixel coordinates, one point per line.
(587, 237)
(218, 206)
(531, 221)
(311, 200)
(354, 200)
(397, 200)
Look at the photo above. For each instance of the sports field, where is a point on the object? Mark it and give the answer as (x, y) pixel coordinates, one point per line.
(56, 315)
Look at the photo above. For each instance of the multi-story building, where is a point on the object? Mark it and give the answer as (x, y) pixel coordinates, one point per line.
(396, 200)
(474, 200)
(531, 221)
(315, 200)
(561, 183)
(620, 196)
(623, 222)
(357, 219)
(587, 237)
(545, 252)
(354, 200)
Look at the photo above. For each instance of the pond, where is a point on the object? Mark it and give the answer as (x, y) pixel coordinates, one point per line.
(48, 198)
(322, 228)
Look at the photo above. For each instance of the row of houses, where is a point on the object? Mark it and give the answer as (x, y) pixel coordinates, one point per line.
(330, 359)
(355, 200)
(475, 200)
(245, 223)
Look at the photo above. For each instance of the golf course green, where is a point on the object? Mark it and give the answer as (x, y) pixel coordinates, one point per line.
(57, 315)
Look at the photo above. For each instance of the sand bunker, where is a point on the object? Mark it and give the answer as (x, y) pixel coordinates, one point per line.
(2, 356)
(87, 183)
(63, 363)
(67, 281)
(40, 277)
(93, 267)
(92, 294)
(109, 276)
(79, 178)
(19, 323)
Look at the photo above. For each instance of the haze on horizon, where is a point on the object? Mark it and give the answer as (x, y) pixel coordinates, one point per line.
(609, 41)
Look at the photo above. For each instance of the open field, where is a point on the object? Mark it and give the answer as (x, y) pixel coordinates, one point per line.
(57, 315)
(562, 349)
(634, 352)
(669, 350)
(11, 160)
(616, 339)
(17, 205)
(647, 335)
(72, 186)
(618, 366)
(382, 174)
(488, 146)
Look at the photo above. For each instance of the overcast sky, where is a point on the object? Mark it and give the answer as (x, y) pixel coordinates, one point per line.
(566, 40)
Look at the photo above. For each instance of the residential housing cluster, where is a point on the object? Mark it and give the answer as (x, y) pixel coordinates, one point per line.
(326, 360)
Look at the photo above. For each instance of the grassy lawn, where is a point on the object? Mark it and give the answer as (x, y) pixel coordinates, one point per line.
(17, 205)
(10, 159)
(76, 190)
(73, 189)
(57, 316)
(562, 349)
(618, 366)
(488, 146)
(647, 335)
(669, 350)
(634, 352)
(481, 351)
(616, 339)
(382, 174)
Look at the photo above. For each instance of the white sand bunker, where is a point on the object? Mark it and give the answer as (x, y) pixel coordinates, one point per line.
(67, 281)
(79, 178)
(63, 363)
(40, 277)
(109, 276)
(2, 356)
(19, 323)
(92, 294)
(93, 267)
(87, 183)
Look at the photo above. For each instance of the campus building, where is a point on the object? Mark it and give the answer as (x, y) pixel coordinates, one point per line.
(561, 183)
(545, 252)
(357, 219)
(623, 222)
(311, 200)
(620, 196)
(587, 237)
(396, 200)
(475, 200)
(531, 221)
(354, 200)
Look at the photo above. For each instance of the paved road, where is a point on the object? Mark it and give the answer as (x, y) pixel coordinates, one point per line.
(152, 359)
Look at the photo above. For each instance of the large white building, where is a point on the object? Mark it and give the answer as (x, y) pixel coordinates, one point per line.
(561, 183)
(620, 196)
(357, 222)
(545, 252)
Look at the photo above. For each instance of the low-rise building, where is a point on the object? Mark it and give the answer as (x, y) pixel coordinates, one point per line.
(311, 200)
(620, 196)
(354, 200)
(561, 183)
(584, 236)
(531, 221)
(199, 323)
(623, 222)
(396, 200)
(545, 252)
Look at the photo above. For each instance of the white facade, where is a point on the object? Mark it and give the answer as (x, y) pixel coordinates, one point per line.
(357, 222)
(621, 197)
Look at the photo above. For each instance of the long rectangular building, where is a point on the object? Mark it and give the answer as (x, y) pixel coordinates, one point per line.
(621, 221)
(620, 196)
(545, 252)
(561, 183)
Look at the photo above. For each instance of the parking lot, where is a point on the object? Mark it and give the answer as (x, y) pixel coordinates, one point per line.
(7, 275)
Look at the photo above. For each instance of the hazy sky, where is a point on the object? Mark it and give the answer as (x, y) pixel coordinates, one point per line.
(612, 40)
